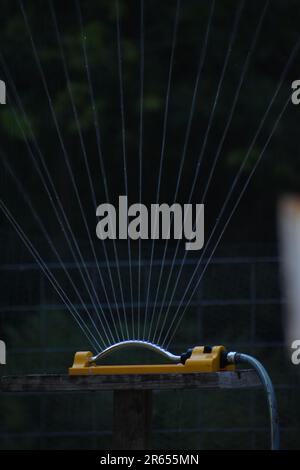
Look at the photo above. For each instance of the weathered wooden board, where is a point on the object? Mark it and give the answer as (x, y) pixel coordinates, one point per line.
(66, 383)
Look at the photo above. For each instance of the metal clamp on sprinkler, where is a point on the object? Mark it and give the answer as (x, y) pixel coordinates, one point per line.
(197, 359)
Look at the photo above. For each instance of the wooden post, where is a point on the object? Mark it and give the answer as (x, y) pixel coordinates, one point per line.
(132, 419)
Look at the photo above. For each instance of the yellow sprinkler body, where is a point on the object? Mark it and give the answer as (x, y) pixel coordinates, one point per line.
(198, 359)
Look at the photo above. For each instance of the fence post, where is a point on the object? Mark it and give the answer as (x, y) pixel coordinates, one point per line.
(132, 419)
(289, 229)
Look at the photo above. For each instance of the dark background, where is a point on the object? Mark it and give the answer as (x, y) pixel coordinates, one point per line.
(255, 220)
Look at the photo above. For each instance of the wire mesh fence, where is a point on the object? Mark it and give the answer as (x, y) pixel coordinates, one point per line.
(238, 304)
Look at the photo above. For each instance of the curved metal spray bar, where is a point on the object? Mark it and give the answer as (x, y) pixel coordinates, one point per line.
(136, 344)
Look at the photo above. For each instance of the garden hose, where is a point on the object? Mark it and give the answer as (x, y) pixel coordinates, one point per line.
(240, 358)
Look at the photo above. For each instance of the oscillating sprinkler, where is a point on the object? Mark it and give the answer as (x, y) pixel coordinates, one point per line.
(200, 359)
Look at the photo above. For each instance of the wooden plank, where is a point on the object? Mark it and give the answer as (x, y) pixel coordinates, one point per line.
(132, 419)
(65, 383)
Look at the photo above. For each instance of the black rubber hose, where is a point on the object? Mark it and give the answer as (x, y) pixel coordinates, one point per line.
(269, 389)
